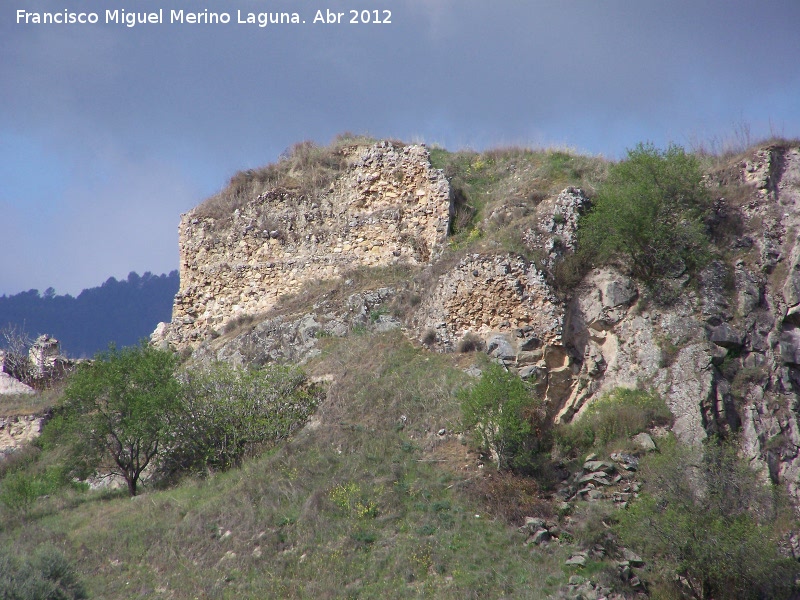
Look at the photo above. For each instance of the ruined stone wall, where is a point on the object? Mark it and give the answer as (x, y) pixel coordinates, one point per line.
(389, 206)
(488, 293)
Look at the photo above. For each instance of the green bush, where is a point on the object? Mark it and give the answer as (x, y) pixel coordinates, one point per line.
(506, 419)
(128, 412)
(18, 492)
(707, 526)
(614, 416)
(228, 412)
(650, 211)
(46, 575)
(20, 489)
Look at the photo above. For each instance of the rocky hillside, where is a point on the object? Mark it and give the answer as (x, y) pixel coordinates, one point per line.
(286, 257)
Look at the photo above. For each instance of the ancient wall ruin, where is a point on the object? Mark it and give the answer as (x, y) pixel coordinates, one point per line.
(389, 206)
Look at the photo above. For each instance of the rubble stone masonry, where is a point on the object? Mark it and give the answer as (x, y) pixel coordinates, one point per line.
(388, 206)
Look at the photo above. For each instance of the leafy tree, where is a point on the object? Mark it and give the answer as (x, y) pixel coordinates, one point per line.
(707, 522)
(504, 416)
(227, 412)
(119, 411)
(650, 211)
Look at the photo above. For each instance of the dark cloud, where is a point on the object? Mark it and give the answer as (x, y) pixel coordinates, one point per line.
(107, 133)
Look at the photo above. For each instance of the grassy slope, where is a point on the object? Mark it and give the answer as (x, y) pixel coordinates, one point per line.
(356, 506)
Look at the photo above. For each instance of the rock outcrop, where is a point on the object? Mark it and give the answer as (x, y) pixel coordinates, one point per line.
(724, 354)
(11, 386)
(293, 338)
(43, 364)
(486, 294)
(16, 431)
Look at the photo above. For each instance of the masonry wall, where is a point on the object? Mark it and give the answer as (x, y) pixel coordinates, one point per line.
(389, 206)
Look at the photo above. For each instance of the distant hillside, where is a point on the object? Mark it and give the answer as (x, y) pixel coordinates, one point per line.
(122, 312)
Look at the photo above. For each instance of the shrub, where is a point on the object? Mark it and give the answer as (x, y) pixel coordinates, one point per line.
(617, 415)
(470, 343)
(16, 343)
(18, 492)
(709, 526)
(46, 575)
(227, 412)
(506, 419)
(510, 497)
(567, 273)
(650, 211)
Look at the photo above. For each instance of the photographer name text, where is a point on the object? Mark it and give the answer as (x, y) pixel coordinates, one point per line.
(204, 17)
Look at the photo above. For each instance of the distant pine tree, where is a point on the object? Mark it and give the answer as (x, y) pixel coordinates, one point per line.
(122, 312)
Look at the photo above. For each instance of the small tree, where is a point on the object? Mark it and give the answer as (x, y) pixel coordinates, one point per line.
(709, 525)
(650, 210)
(119, 411)
(504, 415)
(17, 343)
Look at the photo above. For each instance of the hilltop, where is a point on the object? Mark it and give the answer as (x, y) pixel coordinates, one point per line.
(409, 282)
(120, 312)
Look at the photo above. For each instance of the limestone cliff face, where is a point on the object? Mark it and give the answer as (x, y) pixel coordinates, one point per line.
(389, 206)
(726, 354)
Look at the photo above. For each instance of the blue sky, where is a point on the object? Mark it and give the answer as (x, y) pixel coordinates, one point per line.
(109, 133)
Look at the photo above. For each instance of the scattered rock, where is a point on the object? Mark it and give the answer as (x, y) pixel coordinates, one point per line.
(632, 558)
(726, 336)
(626, 461)
(599, 465)
(576, 560)
(539, 537)
(644, 441)
(499, 347)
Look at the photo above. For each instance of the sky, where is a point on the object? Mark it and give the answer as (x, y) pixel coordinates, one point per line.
(108, 132)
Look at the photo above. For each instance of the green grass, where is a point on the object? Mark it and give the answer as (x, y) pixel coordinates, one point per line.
(611, 420)
(496, 192)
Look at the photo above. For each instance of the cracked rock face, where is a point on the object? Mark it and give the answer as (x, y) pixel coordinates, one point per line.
(726, 355)
(556, 230)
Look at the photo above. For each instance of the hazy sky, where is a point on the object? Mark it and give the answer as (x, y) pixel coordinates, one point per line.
(109, 132)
